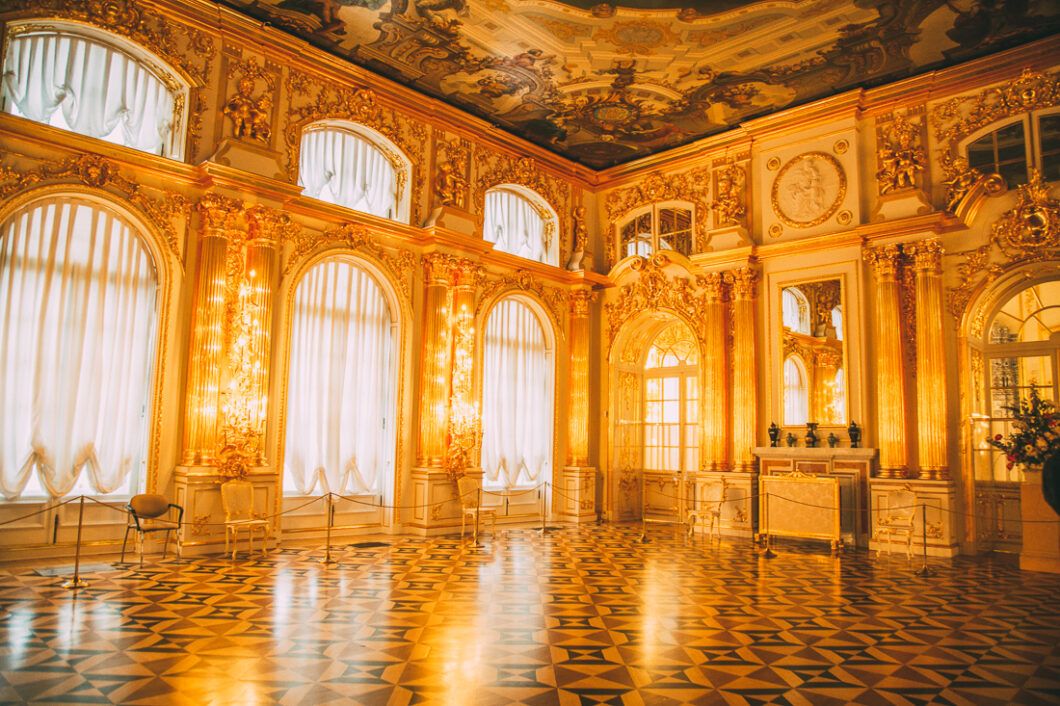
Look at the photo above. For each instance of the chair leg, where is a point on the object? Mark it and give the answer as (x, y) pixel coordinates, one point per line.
(165, 545)
(141, 542)
(123, 541)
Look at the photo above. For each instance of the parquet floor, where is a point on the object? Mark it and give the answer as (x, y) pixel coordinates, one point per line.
(579, 616)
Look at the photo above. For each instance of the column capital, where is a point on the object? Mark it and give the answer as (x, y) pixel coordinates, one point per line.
(270, 227)
(439, 268)
(927, 256)
(884, 260)
(744, 282)
(713, 284)
(220, 215)
(580, 299)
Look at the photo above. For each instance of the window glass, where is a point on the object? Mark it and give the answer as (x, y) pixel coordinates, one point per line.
(1049, 127)
(1002, 152)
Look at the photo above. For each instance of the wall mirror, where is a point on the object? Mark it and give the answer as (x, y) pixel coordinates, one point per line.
(813, 365)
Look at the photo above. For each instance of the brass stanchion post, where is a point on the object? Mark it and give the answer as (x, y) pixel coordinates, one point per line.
(77, 582)
(643, 539)
(544, 508)
(924, 570)
(331, 518)
(767, 551)
(478, 515)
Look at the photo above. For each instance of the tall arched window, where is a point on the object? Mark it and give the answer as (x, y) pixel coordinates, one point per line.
(95, 84)
(339, 435)
(517, 391)
(520, 224)
(796, 392)
(349, 165)
(671, 402)
(77, 337)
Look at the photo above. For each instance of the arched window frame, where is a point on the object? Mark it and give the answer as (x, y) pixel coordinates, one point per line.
(549, 220)
(653, 243)
(796, 392)
(549, 391)
(1032, 140)
(167, 270)
(800, 322)
(175, 82)
(398, 160)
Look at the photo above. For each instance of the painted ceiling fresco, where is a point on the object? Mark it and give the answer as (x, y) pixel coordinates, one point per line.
(603, 84)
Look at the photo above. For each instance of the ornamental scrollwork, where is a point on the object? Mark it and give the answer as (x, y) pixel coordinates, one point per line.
(1031, 229)
(728, 202)
(95, 171)
(654, 290)
(959, 117)
(692, 187)
(556, 300)
(399, 265)
(900, 157)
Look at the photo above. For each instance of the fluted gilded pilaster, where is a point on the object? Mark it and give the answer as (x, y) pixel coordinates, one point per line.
(464, 427)
(715, 376)
(744, 371)
(890, 390)
(578, 392)
(436, 360)
(261, 272)
(930, 360)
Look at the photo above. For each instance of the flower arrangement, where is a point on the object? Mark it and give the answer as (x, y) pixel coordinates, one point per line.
(1036, 436)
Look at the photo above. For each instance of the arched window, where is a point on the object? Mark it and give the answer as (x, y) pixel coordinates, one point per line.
(796, 392)
(1003, 151)
(349, 165)
(340, 383)
(795, 310)
(517, 391)
(77, 338)
(519, 223)
(671, 402)
(659, 228)
(95, 84)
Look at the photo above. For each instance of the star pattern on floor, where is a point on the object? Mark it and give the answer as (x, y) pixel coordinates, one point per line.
(583, 615)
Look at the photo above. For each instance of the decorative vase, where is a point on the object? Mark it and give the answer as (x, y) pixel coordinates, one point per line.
(774, 434)
(833, 440)
(791, 439)
(811, 435)
(855, 435)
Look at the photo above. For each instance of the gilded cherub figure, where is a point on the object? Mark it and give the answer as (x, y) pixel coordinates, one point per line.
(450, 184)
(728, 204)
(901, 159)
(250, 116)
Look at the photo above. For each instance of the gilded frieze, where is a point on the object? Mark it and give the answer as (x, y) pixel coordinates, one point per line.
(558, 301)
(96, 172)
(654, 290)
(691, 187)
(399, 265)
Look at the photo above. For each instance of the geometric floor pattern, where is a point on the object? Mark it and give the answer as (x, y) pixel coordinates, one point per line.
(582, 615)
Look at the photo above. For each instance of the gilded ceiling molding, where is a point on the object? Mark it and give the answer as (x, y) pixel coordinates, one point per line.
(495, 170)
(653, 290)
(187, 48)
(692, 187)
(557, 301)
(398, 265)
(1028, 232)
(98, 173)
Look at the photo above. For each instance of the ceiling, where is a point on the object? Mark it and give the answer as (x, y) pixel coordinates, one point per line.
(604, 84)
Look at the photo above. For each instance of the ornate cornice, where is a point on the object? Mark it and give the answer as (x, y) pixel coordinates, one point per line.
(98, 173)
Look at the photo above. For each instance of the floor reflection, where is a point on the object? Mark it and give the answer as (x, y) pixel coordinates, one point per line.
(586, 615)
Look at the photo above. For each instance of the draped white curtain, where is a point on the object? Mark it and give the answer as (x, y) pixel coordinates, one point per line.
(77, 333)
(345, 169)
(517, 381)
(796, 392)
(338, 389)
(512, 222)
(795, 310)
(77, 83)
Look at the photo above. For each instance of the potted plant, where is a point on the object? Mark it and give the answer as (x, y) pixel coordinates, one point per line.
(1034, 442)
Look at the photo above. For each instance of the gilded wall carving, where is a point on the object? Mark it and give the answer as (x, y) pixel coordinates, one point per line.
(99, 173)
(654, 290)
(808, 190)
(691, 187)
(901, 157)
(959, 117)
(728, 202)
(251, 116)
(557, 301)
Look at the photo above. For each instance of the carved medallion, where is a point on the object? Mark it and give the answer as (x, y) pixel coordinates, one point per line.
(808, 190)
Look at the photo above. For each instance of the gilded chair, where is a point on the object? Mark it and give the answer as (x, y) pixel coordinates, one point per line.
(897, 518)
(237, 497)
(147, 514)
(470, 501)
(706, 506)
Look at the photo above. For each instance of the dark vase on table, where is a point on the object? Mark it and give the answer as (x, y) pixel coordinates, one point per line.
(811, 435)
(774, 434)
(855, 435)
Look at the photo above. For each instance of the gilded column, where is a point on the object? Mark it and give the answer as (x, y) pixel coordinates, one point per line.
(464, 427)
(930, 360)
(890, 390)
(714, 372)
(744, 372)
(218, 222)
(578, 405)
(435, 360)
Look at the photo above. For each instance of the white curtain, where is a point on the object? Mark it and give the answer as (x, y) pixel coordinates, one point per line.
(345, 169)
(77, 332)
(338, 389)
(796, 393)
(795, 311)
(512, 222)
(516, 398)
(77, 83)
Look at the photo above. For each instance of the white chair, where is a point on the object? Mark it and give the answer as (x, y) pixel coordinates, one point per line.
(706, 506)
(897, 518)
(470, 498)
(237, 497)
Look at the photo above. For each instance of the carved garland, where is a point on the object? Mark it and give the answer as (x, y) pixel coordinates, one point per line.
(692, 186)
(99, 173)
(558, 301)
(350, 236)
(652, 291)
